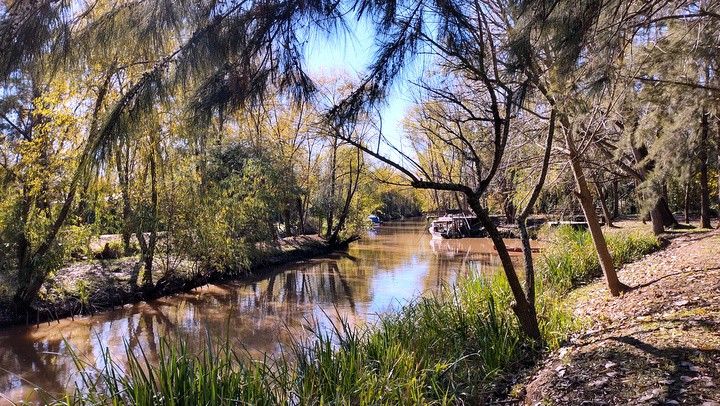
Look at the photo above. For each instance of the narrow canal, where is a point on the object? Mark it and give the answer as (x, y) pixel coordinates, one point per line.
(383, 271)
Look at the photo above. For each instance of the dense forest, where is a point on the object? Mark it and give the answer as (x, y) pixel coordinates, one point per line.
(189, 138)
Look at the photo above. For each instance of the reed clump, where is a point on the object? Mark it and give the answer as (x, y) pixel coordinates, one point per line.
(570, 260)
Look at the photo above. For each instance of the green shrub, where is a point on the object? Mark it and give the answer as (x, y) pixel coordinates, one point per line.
(75, 242)
(111, 250)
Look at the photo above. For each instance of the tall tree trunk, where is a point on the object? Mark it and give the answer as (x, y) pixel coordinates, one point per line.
(718, 152)
(656, 216)
(523, 309)
(508, 206)
(124, 180)
(147, 246)
(616, 200)
(603, 205)
(703, 157)
(331, 204)
(352, 188)
(522, 217)
(287, 213)
(585, 198)
(666, 215)
(687, 202)
(150, 255)
(301, 215)
(662, 216)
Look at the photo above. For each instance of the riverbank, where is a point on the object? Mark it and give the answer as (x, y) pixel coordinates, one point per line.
(658, 344)
(461, 345)
(91, 286)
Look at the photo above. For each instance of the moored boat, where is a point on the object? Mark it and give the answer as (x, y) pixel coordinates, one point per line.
(458, 226)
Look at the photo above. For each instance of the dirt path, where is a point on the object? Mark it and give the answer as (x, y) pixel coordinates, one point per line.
(659, 344)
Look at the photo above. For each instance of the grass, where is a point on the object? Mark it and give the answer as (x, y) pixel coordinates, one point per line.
(570, 258)
(434, 351)
(455, 347)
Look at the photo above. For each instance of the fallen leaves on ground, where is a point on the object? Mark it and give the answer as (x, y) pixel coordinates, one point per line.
(658, 344)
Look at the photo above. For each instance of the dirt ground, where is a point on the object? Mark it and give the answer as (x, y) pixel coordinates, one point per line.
(658, 344)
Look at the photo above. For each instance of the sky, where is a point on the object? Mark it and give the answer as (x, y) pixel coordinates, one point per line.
(352, 54)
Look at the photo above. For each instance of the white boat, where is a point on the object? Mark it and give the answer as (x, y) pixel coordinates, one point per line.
(457, 226)
(441, 226)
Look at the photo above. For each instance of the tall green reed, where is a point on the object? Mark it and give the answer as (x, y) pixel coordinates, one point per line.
(570, 259)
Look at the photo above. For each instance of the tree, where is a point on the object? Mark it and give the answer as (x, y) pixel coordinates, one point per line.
(38, 115)
(229, 52)
(480, 88)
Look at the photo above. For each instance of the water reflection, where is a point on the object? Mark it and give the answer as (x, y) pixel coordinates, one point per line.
(375, 275)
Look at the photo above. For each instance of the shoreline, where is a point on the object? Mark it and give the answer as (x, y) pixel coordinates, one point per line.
(461, 348)
(89, 287)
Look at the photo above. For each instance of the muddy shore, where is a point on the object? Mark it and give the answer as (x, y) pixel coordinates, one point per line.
(87, 287)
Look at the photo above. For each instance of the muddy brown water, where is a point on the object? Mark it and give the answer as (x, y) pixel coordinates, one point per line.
(377, 274)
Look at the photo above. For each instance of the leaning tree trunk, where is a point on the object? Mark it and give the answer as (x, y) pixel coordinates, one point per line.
(523, 309)
(30, 277)
(522, 217)
(585, 198)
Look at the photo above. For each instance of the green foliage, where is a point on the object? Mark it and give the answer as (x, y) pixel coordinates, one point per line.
(113, 250)
(10, 229)
(221, 220)
(75, 241)
(570, 257)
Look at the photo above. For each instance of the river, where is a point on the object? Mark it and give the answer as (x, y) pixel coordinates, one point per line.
(386, 269)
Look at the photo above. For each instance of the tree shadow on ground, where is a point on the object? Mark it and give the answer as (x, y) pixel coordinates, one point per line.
(646, 284)
(684, 371)
(627, 370)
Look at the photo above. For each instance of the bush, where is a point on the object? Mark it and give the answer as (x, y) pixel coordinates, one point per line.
(111, 250)
(75, 242)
